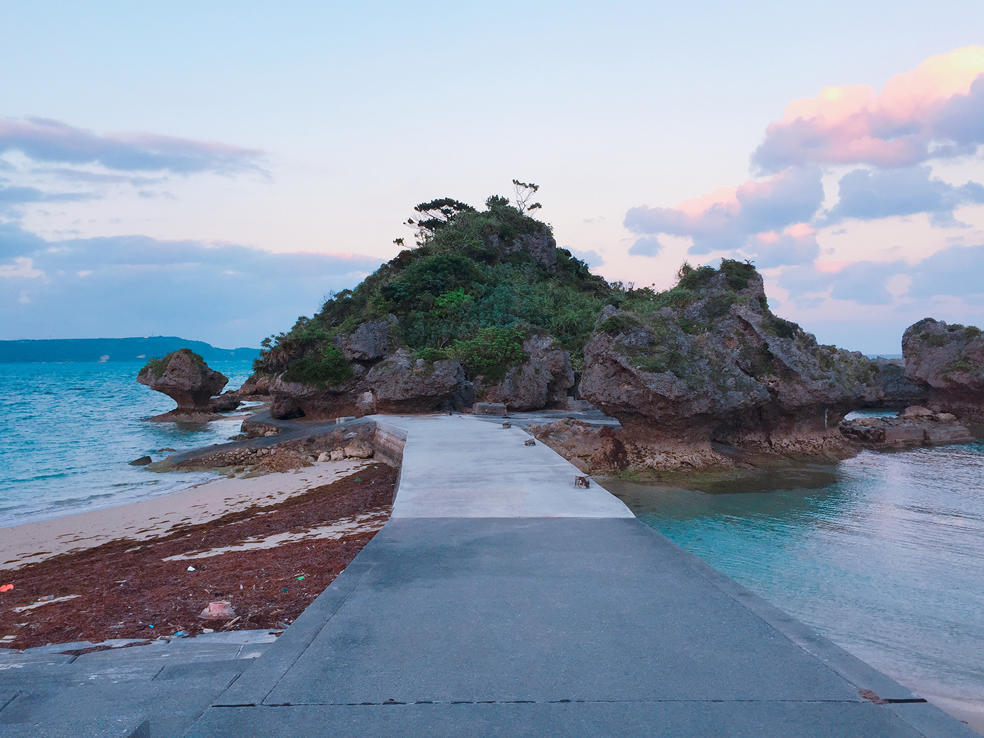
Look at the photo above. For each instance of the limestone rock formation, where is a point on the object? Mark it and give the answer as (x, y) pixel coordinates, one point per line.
(184, 377)
(707, 367)
(949, 361)
(541, 381)
(401, 383)
(370, 341)
(896, 389)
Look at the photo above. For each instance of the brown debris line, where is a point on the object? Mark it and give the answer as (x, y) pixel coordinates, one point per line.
(124, 587)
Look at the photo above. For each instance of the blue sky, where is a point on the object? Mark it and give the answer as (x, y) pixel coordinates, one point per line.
(215, 171)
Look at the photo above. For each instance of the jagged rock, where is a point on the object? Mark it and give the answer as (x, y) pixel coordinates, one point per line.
(400, 383)
(366, 403)
(257, 384)
(372, 340)
(897, 390)
(714, 365)
(185, 377)
(949, 361)
(142, 461)
(541, 381)
(337, 454)
(225, 402)
(541, 245)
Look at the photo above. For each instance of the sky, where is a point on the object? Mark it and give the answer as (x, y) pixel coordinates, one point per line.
(214, 170)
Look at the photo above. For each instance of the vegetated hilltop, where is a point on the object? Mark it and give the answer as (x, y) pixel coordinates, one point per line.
(486, 306)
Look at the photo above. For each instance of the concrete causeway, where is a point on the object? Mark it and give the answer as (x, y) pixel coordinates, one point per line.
(502, 600)
(498, 600)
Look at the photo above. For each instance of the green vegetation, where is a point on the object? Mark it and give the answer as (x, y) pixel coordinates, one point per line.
(320, 368)
(962, 364)
(491, 352)
(618, 324)
(157, 367)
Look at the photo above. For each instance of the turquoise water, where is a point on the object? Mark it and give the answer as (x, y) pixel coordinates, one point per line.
(67, 432)
(882, 553)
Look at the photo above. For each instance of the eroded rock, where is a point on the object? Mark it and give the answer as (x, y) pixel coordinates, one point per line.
(711, 366)
(542, 381)
(949, 361)
(184, 377)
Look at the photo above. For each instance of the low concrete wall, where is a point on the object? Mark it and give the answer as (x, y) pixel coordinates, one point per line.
(388, 442)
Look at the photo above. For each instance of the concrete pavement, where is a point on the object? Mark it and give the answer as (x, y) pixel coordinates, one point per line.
(501, 600)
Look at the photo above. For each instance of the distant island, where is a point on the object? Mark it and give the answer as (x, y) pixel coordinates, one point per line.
(113, 349)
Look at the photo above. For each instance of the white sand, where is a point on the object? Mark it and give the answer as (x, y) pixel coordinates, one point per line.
(365, 523)
(30, 542)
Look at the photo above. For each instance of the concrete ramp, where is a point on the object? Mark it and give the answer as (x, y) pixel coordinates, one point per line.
(461, 467)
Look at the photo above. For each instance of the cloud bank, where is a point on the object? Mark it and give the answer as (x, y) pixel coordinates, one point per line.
(46, 140)
(136, 285)
(933, 111)
(765, 219)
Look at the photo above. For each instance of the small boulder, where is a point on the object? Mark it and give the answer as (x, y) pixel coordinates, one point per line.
(916, 411)
(142, 461)
(337, 454)
(358, 450)
(324, 456)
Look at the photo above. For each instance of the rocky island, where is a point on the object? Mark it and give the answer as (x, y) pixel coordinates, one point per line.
(184, 376)
(487, 308)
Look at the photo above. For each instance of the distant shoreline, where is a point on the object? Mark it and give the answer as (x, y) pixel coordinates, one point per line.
(105, 350)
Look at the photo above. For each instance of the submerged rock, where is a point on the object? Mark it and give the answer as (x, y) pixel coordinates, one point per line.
(184, 377)
(948, 360)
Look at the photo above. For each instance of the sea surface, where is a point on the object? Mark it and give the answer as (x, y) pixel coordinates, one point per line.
(882, 553)
(68, 430)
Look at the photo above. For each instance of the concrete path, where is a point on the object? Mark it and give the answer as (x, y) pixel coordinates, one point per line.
(155, 689)
(501, 600)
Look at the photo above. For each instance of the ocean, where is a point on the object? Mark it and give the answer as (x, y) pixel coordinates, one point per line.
(882, 553)
(68, 431)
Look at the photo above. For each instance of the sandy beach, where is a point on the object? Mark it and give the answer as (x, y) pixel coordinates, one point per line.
(267, 545)
(36, 541)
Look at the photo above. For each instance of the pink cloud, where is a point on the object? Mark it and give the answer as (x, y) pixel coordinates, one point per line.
(929, 112)
(728, 218)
